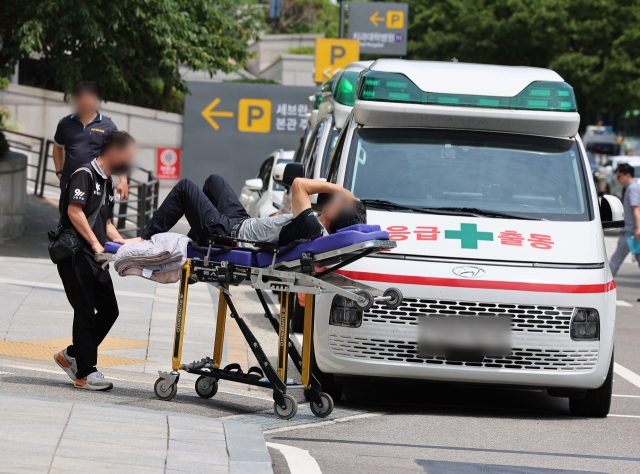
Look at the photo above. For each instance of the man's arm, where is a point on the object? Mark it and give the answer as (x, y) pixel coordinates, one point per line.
(58, 159)
(123, 187)
(81, 224)
(636, 217)
(302, 188)
(114, 236)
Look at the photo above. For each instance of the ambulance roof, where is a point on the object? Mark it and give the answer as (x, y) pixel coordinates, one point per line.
(431, 94)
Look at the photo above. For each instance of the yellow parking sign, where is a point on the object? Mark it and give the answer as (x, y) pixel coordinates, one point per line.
(332, 55)
(395, 19)
(254, 115)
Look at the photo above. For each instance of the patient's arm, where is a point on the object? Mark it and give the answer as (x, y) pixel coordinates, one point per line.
(302, 188)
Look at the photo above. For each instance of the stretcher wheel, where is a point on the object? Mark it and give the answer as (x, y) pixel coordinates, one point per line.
(396, 298)
(368, 299)
(327, 406)
(290, 410)
(206, 387)
(164, 394)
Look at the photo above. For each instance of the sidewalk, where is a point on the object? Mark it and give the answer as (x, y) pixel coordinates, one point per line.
(55, 435)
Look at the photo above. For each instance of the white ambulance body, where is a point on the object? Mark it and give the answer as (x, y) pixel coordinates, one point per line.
(479, 175)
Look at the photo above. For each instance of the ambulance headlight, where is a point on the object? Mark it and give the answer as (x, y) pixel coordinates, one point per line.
(345, 312)
(585, 325)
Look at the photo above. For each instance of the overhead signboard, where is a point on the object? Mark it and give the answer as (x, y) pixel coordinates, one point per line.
(381, 28)
(333, 55)
(230, 128)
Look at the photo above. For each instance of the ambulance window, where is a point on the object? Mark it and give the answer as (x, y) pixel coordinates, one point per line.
(334, 162)
(528, 176)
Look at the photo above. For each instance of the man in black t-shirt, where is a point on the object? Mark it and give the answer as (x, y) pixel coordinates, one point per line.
(216, 210)
(88, 286)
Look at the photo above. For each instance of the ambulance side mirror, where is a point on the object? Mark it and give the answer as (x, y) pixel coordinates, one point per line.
(611, 212)
(278, 172)
(291, 172)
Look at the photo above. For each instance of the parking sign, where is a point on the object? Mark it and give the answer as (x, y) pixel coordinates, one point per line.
(381, 28)
(333, 55)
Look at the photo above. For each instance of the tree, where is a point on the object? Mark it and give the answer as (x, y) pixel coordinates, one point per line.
(308, 16)
(130, 48)
(593, 44)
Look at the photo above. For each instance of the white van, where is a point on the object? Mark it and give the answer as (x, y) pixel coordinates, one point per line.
(479, 174)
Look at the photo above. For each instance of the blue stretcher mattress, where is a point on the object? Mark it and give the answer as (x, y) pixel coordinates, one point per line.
(354, 234)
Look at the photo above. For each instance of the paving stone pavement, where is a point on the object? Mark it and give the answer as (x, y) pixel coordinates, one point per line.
(61, 436)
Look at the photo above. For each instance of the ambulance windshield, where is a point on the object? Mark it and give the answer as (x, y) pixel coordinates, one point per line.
(534, 177)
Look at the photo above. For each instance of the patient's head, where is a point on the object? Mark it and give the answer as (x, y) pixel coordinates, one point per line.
(117, 151)
(340, 213)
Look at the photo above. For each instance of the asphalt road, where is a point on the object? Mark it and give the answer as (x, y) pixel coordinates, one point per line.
(433, 428)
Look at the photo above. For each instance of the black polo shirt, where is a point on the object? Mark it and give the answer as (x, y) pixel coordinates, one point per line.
(85, 187)
(81, 143)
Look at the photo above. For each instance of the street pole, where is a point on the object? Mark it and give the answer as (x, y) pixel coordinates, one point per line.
(342, 18)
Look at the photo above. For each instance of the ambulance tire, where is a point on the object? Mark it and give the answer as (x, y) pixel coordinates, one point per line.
(597, 402)
(296, 318)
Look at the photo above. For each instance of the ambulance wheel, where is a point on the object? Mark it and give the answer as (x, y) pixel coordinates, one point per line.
(368, 299)
(290, 410)
(206, 387)
(326, 408)
(597, 402)
(162, 394)
(396, 298)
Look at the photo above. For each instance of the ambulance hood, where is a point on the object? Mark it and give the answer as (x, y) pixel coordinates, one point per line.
(478, 238)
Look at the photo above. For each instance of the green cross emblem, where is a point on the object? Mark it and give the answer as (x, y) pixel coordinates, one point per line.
(468, 235)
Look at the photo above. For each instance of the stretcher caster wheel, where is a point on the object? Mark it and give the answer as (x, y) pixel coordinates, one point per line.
(206, 387)
(162, 393)
(289, 411)
(326, 408)
(368, 299)
(396, 298)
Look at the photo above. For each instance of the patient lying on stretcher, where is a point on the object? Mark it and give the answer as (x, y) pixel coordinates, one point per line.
(216, 210)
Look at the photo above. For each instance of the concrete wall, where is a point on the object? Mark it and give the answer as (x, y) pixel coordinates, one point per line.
(13, 194)
(291, 70)
(38, 111)
(271, 46)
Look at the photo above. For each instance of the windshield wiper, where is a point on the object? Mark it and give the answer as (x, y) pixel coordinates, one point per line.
(393, 206)
(487, 213)
(446, 211)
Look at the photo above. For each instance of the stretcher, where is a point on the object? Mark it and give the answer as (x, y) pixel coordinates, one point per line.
(307, 268)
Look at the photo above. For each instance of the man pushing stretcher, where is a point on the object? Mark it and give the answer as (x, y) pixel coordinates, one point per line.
(215, 210)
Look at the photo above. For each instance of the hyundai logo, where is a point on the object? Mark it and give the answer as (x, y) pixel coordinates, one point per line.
(469, 272)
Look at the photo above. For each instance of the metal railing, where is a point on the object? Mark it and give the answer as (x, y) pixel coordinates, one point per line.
(129, 216)
(34, 148)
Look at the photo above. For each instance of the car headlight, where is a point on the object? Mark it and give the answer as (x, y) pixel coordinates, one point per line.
(585, 325)
(345, 312)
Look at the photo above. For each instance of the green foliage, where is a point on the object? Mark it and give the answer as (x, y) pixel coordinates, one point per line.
(592, 44)
(306, 16)
(302, 50)
(257, 80)
(122, 44)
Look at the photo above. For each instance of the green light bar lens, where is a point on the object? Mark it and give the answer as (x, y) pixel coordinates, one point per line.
(388, 87)
(539, 95)
(345, 91)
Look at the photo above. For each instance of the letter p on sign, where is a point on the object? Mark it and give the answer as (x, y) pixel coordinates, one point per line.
(254, 115)
(333, 55)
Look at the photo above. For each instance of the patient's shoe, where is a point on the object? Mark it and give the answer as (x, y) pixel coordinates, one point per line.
(94, 381)
(66, 363)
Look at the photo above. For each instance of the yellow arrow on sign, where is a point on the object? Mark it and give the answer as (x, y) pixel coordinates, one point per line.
(375, 19)
(208, 113)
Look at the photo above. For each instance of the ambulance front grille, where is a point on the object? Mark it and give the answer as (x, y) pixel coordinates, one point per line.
(524, 318)
(394, 350)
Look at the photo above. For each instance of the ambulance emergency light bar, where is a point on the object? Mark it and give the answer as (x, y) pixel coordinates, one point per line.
(395, 87)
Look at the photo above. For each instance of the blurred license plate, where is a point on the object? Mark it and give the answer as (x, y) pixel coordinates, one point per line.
(466, 339)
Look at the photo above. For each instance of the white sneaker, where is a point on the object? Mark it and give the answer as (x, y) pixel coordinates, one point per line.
(66, 363)
(94, 381)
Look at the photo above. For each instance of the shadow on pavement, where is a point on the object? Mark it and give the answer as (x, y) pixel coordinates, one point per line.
(42, 216)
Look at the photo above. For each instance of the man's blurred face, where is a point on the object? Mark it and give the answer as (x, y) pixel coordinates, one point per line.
(332, 209)
(85, 102)
(624, 179)
(120, 159)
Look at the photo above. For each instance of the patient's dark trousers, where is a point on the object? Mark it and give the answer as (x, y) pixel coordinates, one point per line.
(90, 291)
(214, 210)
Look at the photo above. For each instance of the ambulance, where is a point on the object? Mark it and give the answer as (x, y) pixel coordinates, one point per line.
(479, 174)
